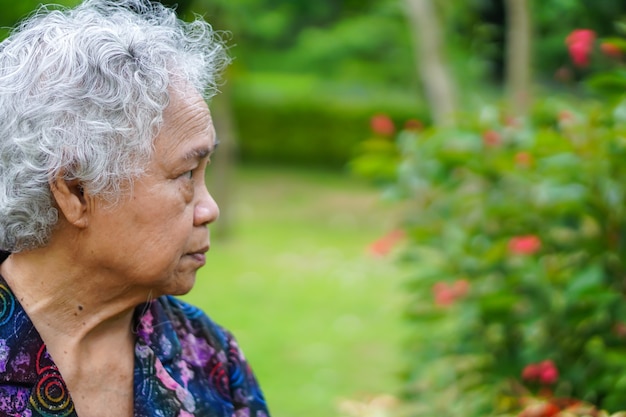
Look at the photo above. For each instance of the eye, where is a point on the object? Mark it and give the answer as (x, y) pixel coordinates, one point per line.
(187, 175)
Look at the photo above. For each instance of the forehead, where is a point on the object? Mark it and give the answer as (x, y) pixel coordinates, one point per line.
(186, 124)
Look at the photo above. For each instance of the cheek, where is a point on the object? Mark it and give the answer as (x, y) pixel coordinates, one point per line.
(164, 219)
(169, 204)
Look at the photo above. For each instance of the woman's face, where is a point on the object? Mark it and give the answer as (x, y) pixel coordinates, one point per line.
(156, 238)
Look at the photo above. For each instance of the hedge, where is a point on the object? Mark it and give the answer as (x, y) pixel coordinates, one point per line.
(301, 120)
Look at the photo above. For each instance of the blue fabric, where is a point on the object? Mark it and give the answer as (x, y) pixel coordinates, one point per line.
(185, 366)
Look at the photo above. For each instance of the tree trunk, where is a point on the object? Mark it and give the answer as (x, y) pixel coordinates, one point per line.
(518, 56)
(438, 85)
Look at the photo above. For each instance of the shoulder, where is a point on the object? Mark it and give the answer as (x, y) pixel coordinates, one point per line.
(189, 319)
(201, 337)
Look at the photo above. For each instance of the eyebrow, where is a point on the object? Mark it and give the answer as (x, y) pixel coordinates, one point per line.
(200, 152)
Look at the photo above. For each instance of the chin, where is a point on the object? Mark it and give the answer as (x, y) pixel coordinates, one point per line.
(182, 286)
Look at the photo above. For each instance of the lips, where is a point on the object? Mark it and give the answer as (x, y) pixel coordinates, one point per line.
(200, 255)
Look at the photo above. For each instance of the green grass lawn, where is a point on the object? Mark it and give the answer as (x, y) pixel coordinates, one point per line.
(318, 317)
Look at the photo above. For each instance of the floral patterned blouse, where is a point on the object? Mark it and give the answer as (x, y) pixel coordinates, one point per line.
(185, 366)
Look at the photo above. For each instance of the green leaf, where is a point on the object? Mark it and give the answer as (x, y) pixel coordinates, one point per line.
(497, 306)
(610, 84)
(588, 279)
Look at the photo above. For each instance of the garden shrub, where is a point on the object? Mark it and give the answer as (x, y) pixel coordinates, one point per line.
(517, 235)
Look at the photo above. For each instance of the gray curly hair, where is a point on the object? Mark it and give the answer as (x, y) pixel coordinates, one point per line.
(82, 94)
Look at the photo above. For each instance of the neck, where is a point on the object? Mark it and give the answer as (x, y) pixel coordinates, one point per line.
(85, 323)
(69, 303)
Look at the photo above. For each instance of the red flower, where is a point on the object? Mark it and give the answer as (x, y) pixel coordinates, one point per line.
(523, 159)
(491, 138)
(382, 125)
(531, 372)
(446, 294)
(611, 50)
(580, 44)
(565, 116)
(551, 410)
(566, 119)
(544, 372)
(512, 121)
(540, 410)
(385, 244)
(549, 374)
(413, 125)
(524, 245)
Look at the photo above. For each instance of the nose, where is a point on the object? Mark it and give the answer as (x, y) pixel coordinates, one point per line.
(206, 210)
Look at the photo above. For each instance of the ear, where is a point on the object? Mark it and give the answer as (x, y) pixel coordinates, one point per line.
(71, 201)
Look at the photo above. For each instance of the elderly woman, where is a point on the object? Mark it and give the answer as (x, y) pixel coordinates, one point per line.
(105, 137)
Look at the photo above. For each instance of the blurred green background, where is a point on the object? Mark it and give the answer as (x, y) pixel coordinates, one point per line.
(304, 265)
